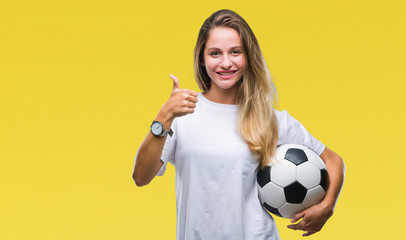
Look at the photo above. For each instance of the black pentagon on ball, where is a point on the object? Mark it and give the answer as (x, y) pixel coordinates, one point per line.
(272, 210)
(296, 156)
(324, 179)
(295, 192)
(264, 176)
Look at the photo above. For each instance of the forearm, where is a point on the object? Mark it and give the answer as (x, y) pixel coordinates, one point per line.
(148, 158)
(336, 171)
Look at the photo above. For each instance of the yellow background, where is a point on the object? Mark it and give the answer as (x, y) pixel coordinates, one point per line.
(81, 81)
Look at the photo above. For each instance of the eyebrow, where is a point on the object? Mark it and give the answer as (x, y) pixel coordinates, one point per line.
(214, 48)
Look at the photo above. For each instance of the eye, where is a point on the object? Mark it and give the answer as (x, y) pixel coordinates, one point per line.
(214, 54)
(235, 52)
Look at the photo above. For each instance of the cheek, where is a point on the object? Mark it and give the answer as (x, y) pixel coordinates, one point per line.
(210, 66)
(210, 72)
(242, 62)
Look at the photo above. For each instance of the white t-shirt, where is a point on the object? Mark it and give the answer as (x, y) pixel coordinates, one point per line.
(216, 192)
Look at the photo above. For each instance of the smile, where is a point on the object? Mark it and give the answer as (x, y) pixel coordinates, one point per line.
(226, 73)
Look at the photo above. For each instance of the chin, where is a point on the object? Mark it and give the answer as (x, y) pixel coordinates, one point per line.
(226, 85)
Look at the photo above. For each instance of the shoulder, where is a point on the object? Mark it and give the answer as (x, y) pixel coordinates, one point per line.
(287, 125)
(282, 117)
(291, 130)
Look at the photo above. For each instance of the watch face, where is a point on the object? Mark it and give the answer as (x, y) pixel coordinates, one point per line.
(156, 128)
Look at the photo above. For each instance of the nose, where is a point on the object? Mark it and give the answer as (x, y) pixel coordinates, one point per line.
(226, 62)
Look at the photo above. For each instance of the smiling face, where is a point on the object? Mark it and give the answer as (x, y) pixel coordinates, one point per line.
(224, 59)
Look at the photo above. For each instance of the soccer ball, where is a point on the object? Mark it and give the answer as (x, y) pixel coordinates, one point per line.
(297, 179)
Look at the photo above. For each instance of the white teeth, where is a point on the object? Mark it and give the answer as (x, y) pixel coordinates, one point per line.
(226, 74)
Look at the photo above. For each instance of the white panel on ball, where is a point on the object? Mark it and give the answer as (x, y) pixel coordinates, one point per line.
(280, 153)
(272, 194)
(283, 173)
(313, 196)
(308, 175)
(315, 159)
(289, 210)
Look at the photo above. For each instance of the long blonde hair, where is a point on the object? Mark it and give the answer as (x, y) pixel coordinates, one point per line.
(256, 92)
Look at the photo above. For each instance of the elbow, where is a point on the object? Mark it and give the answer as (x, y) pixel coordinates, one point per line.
(140, 183)
(144, 173)
(343, 166)
(141, 177)
(138, 173)
(341, 162)
(334, 161)
(139, 180)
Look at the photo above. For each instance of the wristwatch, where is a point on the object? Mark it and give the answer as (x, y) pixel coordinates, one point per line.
(158, 129)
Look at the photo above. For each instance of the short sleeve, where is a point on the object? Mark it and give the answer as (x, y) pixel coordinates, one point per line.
(168, 153)
(293, 132)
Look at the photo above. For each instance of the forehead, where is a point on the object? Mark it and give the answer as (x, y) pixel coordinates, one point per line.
(223, 37)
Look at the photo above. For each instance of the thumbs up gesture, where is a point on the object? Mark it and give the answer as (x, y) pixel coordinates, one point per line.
(180, 103)
(175, 83)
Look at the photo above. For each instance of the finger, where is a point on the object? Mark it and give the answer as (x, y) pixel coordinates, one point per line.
(175, 82)
(191, 105)
(297, 217)
(190, 110)
(308, 233)
(189, 95)
(192, 99)
(294, 226)
(191, 92)
(187, 104)
(186, 110)
(298, 226)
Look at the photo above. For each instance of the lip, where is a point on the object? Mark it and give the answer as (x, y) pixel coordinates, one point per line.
(228, 76)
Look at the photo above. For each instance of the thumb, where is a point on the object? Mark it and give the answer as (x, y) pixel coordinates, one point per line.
(175, 82)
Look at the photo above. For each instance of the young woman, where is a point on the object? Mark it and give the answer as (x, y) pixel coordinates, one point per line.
(220, 137)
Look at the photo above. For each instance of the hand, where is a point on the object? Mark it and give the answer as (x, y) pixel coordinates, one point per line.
(313, 219)
(180, 103)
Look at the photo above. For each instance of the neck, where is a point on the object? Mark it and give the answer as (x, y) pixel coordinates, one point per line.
(224, 96)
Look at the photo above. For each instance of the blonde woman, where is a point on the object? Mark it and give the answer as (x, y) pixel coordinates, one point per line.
(220, 137)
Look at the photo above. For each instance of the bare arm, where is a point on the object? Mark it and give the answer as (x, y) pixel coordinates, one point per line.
(316, 216)
(148, 158)
(336, 169)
